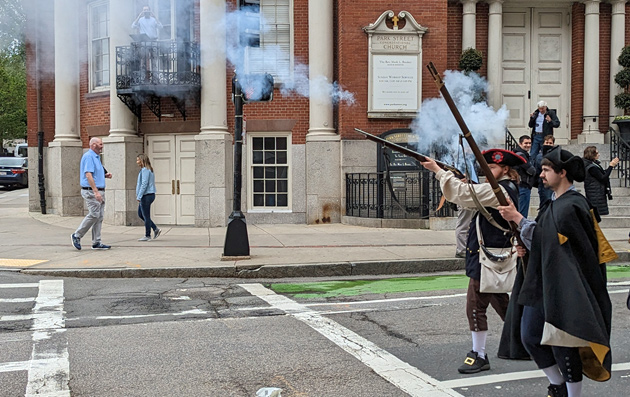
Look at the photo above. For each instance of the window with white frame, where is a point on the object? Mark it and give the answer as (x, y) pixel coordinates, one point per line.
(269, 171)
(98, 31)
(275, 53)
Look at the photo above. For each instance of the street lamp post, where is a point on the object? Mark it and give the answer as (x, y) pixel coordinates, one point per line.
(249, 88)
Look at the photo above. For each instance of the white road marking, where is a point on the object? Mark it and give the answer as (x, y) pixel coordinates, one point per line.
(49, 367)
(404, 376)
(193, 311)
(22, 285)
(511, 376)
(14, 366)
(16, 300)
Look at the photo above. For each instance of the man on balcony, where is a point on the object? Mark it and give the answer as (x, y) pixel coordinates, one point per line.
(147, 23)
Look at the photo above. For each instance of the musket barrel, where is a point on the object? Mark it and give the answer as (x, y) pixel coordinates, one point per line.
(410, 153)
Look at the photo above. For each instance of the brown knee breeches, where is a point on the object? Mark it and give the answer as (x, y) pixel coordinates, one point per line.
(477, 304)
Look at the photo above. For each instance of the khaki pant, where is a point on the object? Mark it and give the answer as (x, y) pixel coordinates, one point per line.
(94, 218)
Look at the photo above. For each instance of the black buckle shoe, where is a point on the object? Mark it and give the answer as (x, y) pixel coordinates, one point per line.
(473, 364)
(557, 390)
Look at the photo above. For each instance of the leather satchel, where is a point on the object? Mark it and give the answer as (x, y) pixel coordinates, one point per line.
(498, 267)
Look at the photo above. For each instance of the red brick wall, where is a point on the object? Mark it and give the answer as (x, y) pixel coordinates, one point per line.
(577, 69)
(605, 14)
(483, 12)
(282, 107)
(454, 44)
(352, 44)
(47, 62)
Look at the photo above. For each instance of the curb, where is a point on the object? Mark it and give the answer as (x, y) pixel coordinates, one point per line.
(265, 271)
(339, 269)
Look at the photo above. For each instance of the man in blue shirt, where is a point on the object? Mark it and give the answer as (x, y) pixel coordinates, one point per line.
(93, 191)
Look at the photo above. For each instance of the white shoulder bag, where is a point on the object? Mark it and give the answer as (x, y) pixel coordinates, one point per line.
(498, 269)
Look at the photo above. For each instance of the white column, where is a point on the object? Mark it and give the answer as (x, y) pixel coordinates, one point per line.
(617, 40)
(122, 122)
(213, 146)
(323, 145)
(469, 24)
(213, 67)
(123, 145)
(65, 151)
(66, 71)
(590, 124)
(495, 51)
(320, 52)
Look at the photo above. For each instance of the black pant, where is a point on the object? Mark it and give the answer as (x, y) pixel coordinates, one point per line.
(144, 212)
(567, 358)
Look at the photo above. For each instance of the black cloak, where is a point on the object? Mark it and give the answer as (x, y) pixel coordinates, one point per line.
(566, 276)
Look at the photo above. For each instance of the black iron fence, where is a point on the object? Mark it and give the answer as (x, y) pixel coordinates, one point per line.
(620, 148)
(407, 195)
(165, 63)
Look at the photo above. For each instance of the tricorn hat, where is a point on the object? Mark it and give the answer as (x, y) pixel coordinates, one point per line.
(574, 165)
(503, 157)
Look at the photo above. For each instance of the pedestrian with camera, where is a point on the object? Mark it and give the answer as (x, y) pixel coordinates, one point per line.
(597, 182)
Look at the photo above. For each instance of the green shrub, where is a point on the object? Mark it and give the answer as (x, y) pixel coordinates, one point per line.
(622, 100)
(471, 60)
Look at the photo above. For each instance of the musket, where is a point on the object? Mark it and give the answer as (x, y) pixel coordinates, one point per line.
(473, 146)
(410, 153)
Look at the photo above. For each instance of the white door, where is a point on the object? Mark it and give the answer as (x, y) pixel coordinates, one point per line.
(173, 160)
(536, 55)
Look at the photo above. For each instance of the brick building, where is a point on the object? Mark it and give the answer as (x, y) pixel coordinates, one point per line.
(297, 147)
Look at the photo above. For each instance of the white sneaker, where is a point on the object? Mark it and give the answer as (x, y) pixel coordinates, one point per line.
(145, 238)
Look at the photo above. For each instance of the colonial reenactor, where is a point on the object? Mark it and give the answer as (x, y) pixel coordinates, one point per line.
(567, 312)
(454, 190)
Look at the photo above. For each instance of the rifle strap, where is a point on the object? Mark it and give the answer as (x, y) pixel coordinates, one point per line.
(482, 210)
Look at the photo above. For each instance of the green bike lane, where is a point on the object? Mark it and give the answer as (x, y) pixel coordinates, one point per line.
(347, 288)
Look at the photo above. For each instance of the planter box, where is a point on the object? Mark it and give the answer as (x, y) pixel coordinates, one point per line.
(624, 129)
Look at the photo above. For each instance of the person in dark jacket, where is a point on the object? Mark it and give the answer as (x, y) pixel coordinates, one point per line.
(544, 194)
(597, 182)
(542, 122)
(527, 174)
(455, 191)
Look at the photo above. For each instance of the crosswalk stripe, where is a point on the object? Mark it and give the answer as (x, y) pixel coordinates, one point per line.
(399, 373)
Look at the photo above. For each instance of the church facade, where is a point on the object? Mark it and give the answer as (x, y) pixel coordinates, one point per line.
(90, 74)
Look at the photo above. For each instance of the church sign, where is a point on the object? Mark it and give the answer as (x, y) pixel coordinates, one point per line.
(395, 66)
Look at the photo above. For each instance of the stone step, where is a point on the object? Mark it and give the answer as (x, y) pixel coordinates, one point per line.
(609, 221)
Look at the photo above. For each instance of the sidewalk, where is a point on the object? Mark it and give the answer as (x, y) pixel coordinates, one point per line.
(40, 244)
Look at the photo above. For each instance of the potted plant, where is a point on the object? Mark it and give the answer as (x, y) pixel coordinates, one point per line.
(622, 100)
(470, 60)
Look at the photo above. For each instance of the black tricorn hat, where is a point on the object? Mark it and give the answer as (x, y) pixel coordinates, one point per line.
(503, 157)
(574, 165)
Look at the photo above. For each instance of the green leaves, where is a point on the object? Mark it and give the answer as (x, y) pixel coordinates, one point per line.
(13, 92)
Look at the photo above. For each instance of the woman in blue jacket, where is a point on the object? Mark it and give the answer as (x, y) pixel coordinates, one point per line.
(145, 194)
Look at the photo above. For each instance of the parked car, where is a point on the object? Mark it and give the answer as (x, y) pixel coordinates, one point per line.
(21, 150)
(14, 171)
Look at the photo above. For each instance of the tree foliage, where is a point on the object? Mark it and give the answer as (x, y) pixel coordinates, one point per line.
(12, 71)
(12, 22)
(13, 93)
(622, 100)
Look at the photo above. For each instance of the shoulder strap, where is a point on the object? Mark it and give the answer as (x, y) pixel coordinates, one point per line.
(483, 211)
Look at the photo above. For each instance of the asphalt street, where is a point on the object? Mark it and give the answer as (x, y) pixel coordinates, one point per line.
(232, 337)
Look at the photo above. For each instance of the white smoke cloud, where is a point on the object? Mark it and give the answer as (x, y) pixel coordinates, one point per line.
(294, 82)
(438, 132)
